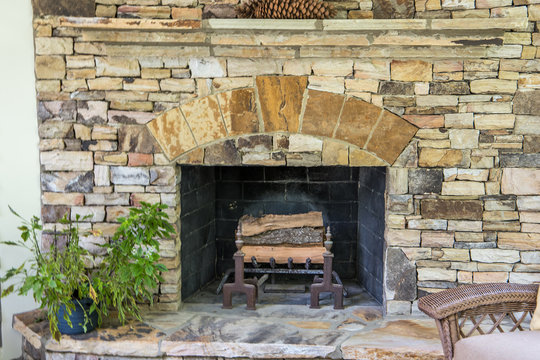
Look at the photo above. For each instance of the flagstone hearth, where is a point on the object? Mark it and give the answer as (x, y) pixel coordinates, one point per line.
(273, 332)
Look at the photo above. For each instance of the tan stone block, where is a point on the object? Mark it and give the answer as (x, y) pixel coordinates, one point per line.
(204, 118)
(440, 157)
(489, 107)
(51, 144)
(493, 86)
(327, 83)
(67, 160)
(520, 181)
(530, 228)
(455, 255)
(223, 84)
(54, 46)
(253, 67)
(421, 88)
(465, 277)
(437, 100)
(186, 13)
(390, 137)
(500, 215)
(529, 217)
(519, 241)
(395, 221)
(470, 236)
(132, 105)
(372, 69)
(360, 14)
(437, 239)
(464, 120)
(153, 73)
(463, 188)
(74, 85)
(403, 238)
(358, 157)
(273, 93)
(524, 278)
(534, 12)
(505, 51)
(148, 12)
(141, 85)
(104, 158)
(333, 67)
(472, 174)
(425, 121)
(48, 86)
(427, 224)
(80, 61)
(494, 121)
(521, 38)
(43, 30)
(103, 132)
(433, 274)
(172, 133)
(495, 267)
(50, 67)
(297, 67)
(362, 85)
(321, 113)
(414, 254)
(105, 84)
(48, 198)
(508, 75)
(463, 138)
(117, 66)
(411, 70)
(529, 81)
(489, 277)
(304, 143)
(528, 52)
(398, 181)
(447, 66)
(106, 11)
(482, 162)
(357, 120)
(80, 74)
(432, 134)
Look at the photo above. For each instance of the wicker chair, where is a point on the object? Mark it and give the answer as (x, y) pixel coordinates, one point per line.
(464, 311)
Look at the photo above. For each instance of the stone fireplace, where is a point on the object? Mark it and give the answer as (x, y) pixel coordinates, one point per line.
(432, 125)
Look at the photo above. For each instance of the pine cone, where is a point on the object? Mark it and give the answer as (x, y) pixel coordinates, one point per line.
(286, 9)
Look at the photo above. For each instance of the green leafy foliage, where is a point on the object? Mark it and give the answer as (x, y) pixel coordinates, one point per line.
(132, 272)
(129, 274)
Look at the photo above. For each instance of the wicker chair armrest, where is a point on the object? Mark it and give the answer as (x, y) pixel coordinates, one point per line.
(443, 304)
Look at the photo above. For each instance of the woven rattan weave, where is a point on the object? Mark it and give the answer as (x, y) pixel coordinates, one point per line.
(478, 309)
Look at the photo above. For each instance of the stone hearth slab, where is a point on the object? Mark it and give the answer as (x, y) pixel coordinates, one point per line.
(272, 331)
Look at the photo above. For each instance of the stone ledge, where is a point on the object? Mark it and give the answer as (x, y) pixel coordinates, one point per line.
(281, 24)
(276, 331)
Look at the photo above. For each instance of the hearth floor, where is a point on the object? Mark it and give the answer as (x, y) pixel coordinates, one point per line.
(283, 330)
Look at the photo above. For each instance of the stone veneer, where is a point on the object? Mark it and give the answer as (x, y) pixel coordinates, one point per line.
(346, 9)
(122, 101)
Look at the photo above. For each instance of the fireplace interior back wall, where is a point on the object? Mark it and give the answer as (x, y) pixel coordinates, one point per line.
(214, 198)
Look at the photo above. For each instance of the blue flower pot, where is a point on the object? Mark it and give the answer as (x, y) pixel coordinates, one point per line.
(77, 318)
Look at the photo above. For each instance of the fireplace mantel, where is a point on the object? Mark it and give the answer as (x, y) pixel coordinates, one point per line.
(475, 25)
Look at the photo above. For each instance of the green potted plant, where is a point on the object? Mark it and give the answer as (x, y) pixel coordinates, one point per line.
(75, 297)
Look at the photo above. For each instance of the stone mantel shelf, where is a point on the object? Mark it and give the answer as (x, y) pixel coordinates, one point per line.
(474, 25)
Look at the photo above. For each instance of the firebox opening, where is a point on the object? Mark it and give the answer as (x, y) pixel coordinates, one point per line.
(214, 198)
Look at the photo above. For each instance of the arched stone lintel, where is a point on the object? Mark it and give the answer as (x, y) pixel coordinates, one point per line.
(283, 105)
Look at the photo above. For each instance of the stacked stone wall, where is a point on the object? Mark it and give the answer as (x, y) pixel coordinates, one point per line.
(463, 201)
(346, 9)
